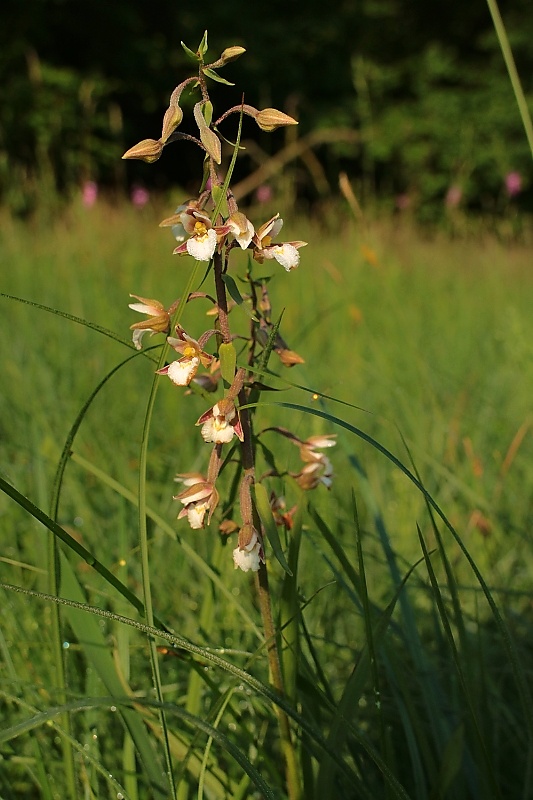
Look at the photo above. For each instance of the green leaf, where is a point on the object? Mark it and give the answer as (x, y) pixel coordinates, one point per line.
(289, 609)
(189, 52)
(202, 47)
(210, 73)
(452, 759)
(232, 289)
(236, 295)
(228, 360)
(207, 110)
(265, 512)
(220, 202)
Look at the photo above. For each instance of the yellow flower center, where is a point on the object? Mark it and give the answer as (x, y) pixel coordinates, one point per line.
(200, 231)
(189, 351)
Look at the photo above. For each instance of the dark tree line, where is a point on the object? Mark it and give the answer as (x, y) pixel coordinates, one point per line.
(423, 84)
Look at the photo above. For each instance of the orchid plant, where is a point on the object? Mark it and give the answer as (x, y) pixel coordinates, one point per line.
(208, 228)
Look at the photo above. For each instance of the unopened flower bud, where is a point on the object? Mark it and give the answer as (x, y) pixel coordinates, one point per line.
(171, 120)
(231, 53)
(148, 150)
(228, 526)
(270, 118)
(289, 357)
(209, 139)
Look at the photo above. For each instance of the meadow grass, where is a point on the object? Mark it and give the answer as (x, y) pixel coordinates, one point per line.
(401, 682)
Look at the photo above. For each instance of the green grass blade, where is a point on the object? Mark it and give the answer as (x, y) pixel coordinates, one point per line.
(507, 53)
(72, 318)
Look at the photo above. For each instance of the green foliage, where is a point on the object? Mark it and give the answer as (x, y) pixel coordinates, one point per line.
(58, 129)
(454, 126)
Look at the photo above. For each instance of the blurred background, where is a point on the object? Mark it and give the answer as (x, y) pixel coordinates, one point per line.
(411, 99)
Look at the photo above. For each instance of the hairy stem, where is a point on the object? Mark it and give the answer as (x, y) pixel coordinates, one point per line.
(222, 301)
(265, 604)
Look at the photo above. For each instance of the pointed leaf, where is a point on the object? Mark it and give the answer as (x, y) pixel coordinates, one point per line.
(220, 202)
(210, 73)
(228, 361)
(209, 139)
(232, 289)
(189, 52)
(265, 512)
(207, 111)
(202, 47)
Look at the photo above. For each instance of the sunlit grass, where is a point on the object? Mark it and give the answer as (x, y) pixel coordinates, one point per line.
(431, 339)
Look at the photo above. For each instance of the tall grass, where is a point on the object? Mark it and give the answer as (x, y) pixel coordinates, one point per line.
(405, 625)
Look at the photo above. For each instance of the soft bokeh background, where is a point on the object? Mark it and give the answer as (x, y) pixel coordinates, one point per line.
(410, 98)
(412, 310)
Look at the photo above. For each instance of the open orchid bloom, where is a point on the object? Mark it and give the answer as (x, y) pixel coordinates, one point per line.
(221, 422)
(317, 467)
(285, 253)
(241, 228)
(182, 371)
(158, 319)
(203, 237)
(308, 448)
(249, 554)
(199, 500)
(315, 473)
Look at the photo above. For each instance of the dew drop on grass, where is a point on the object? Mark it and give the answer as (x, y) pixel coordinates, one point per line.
(66, 645)
(113, 708)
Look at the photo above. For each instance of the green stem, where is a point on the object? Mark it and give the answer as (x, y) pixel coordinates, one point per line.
(263, 592)
(222, 301)
(59, 676)
(287, 745)
(143, 536)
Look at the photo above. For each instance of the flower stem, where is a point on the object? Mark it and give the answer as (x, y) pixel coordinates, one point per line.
(265, 604)
(222, 301)
(287, 745)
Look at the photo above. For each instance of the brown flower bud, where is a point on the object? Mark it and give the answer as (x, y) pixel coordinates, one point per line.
(270, 118)
(246, 534)
(228, 526)
(231, 53)
(289, 357)
(171, 120)
(148, 150)
(209, 139)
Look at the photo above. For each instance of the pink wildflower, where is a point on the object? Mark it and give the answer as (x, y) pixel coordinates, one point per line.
(513, 183)
(89, 194)
(139, 196)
